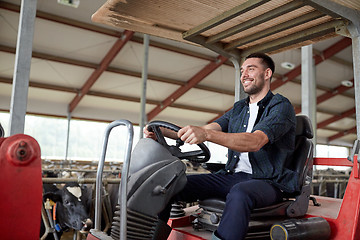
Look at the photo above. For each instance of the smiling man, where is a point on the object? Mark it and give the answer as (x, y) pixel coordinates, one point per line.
(259, 132)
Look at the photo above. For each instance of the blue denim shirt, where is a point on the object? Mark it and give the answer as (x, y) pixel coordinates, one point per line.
(276, 118)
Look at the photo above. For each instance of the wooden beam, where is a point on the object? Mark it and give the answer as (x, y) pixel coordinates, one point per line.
(295, 38)
(328, 94)
(116, 70)
(234, 12)
(212, 66)
(341, 134)
(274, 13)
(49, 57)
(110, 96)
(63, 116)
(43, 86)
(335, 59)
(336, 91)
(273, 30)
(335, 118)
(119, 44)
(327, 53)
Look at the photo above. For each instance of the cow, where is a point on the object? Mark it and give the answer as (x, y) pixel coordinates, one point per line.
(70, 209)
(110, 192)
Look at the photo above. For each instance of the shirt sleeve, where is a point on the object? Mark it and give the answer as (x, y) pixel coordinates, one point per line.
(224, 120)
(279, 119)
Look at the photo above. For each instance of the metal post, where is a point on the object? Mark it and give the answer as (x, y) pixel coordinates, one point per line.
(67, 136)
(239, 89)
(144, 84)
(308, 86)
(355, 36)
(336, 188)
(22, 66)
(124, 177)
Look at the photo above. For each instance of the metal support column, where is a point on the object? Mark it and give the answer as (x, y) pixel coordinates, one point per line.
(308, 86)
(354, 29)
(355, 36)
(144, 85)
(239, 89)
(22, 66)
(67, 136)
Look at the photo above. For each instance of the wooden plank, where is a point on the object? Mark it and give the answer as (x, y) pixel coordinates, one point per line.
(273, 30)
(256, 21)
(295, 38)
(247, 6)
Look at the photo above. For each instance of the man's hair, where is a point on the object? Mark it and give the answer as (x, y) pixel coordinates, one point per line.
(266, 61)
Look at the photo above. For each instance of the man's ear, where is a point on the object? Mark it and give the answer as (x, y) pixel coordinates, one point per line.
(268, 74)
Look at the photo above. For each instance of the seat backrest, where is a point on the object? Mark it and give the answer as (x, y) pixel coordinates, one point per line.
(301, 160)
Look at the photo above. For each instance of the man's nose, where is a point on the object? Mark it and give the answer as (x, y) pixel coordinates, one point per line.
(244, 74)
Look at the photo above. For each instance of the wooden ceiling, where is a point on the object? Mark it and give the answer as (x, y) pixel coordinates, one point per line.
(230, 28)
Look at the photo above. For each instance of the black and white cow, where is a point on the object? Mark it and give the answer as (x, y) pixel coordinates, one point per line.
(110, 197)
(71, 209)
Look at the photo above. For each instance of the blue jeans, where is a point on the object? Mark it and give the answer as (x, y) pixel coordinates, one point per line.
(242, 194)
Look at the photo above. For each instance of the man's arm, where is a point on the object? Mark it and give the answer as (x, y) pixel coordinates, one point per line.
(174, 135)
(240, 142)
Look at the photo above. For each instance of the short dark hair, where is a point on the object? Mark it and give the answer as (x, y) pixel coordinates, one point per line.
(266, 60)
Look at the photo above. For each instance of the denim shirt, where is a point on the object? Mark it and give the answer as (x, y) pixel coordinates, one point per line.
(276, 118)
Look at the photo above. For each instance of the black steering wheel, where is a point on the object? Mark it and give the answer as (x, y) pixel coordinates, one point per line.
(199, 156)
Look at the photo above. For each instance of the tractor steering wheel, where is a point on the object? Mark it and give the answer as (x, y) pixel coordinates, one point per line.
(199, 156)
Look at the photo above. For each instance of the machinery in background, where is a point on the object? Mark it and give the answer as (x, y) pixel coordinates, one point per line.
(21, 187)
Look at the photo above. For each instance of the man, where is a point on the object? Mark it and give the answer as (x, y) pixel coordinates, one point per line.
(259, 132)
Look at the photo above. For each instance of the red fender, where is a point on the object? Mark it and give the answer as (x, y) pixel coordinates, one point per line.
(20, 187)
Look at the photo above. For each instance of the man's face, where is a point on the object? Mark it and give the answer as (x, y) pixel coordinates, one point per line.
(253, 75)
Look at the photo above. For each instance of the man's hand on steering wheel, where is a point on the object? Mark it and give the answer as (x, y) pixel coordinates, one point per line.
(192, 134)
(188, 134)
(149, 134)
(157, 130)
(166, 132)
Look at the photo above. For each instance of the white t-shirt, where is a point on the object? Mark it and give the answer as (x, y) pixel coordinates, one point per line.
(244, 164)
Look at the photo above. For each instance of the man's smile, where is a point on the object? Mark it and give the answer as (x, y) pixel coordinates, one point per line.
(247, 81)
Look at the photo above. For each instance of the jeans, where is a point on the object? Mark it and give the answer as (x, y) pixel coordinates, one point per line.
(242, 194)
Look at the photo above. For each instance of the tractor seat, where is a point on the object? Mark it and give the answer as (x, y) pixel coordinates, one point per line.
(294, 204)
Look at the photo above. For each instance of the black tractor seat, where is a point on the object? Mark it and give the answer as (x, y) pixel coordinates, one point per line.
(293, 205)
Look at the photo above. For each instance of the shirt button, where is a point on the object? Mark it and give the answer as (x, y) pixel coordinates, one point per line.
(244, 125)
(235, 156)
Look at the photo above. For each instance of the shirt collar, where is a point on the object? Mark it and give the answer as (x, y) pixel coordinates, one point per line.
(264, 101)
